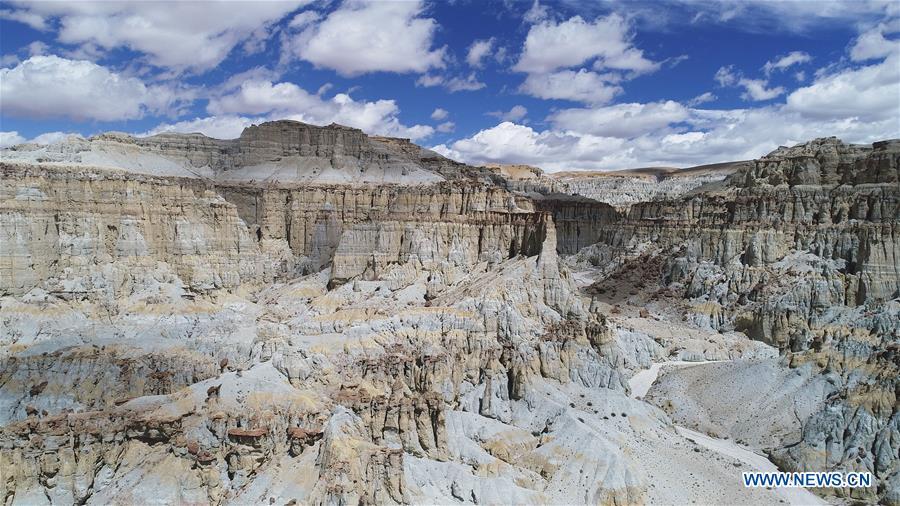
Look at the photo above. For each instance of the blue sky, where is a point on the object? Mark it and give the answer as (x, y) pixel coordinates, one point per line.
(561, 85)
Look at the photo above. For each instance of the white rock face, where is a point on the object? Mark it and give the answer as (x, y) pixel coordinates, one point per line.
(278, 151)
(173, 338)
(627, 187)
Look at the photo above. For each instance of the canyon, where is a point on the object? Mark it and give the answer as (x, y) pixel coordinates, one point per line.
(311, 315)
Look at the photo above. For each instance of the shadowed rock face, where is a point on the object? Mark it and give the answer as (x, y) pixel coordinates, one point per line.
(233, 337)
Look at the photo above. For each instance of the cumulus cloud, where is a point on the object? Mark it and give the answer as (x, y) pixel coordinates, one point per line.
(362, 37)
(446, 127)
(581, 86)
(439, 114)
(536, 13)
(758, 89)
(516, 113)
(620, 120)
(219, 127)
(712, 136)
(873, 44)
(786, 61)
(31, 19)
(193, 36)
(512, 143)
(554, 55)
(868, 93)
(702, 99)
(8, 139)
(754, 89)
(50, 86)
(726, 76)
(855, 104)
(550, 46)
(304, 19)
(254, 101)
(451, 84)
(478, 51)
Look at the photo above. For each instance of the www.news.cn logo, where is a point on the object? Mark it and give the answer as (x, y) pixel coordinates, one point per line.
(807, 480)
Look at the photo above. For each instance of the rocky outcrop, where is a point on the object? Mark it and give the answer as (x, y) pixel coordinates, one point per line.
(417, 301)
(277, 151)
(209, 334)
(801, 251)
(627, 187)
(58, 224)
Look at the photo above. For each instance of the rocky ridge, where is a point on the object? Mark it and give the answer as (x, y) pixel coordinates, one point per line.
(799, 251)
(277, 151)
(235, 338)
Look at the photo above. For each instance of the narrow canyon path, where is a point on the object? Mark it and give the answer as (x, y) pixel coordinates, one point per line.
(640, 384)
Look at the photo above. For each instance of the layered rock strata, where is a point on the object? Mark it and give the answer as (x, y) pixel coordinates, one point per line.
(58, 224)
(198, 337)
(277, 151)
(801, 251)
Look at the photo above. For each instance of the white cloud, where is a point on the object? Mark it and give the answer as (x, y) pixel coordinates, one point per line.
(765, 17)
(754, 89)
(702, 99)
(31, 19)
(726, 76)
(536, 13)
(439, 114)
(36, 48)
(516, 113)
(478, 51)
(581, 86)
(219, 127)
(868, 93)
(554, 54)
(786, 61)
(550, 46)
(873, 44)
(8, 139)
(9, 60)
(858, 105)
(264, 98)
(446, 127)
(714, 136)
(620, 120)
(50, 86)
(430, 80)
(52, 137)
(512, 143)
(304, 19)
(452, 84)
(362, 37)
(177, 35)
(757, 89)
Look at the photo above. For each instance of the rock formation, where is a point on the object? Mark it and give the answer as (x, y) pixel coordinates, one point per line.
(310, 314)
(626, 187)
(799, 251)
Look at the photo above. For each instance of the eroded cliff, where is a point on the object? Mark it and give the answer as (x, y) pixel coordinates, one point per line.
(800, 251)
(222, 322)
